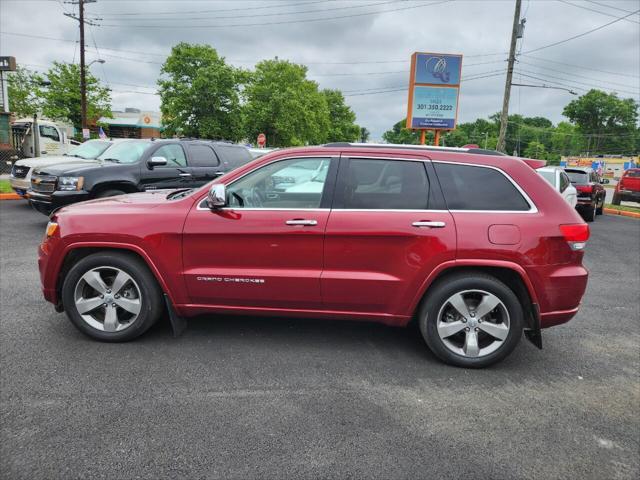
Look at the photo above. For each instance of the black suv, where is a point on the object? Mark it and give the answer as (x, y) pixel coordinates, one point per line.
(133, 166)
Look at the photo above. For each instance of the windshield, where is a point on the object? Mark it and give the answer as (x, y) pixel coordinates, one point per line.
(125, 152)
(89, 150)
(549, 176)
(577, 176)
(632, 173)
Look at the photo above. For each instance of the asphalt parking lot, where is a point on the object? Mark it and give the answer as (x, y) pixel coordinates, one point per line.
(272, 398)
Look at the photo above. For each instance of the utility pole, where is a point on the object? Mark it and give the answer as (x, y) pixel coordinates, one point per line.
(83, 72)
(504, 116)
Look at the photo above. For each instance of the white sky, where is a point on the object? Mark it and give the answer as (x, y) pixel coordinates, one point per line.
(134, 36)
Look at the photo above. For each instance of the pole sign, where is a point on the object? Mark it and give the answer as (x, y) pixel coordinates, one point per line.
(434, 88)
(262, 140)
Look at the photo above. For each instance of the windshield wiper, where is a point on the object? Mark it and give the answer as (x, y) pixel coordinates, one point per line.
(178, 192)
(111, 160)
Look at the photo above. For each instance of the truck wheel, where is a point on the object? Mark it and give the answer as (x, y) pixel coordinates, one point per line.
(616, 199)
(471, 320)
(110, 193)
(599, 210)
(112, 297)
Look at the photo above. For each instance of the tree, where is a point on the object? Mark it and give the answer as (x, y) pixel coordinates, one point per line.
(343, 127)
(535, 150)
(364, 134)
(62, 96)
(566, 140)
(199, 94)
(608, 123)
(284, 105)
(25, 92)
(401, 135)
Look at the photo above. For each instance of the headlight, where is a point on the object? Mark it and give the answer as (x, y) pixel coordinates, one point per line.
(70, 183)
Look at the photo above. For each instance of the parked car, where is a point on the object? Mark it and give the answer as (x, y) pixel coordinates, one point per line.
(591, 193)
(472, 244)
(628, 188)
(559, 180)
(134, 166)
(20, 178)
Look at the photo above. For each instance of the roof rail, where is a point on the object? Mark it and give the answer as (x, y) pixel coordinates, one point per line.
(477, 151)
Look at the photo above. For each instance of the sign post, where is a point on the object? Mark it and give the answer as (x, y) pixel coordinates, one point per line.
(434, 88)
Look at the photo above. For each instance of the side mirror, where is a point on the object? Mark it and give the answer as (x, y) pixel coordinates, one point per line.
(156, 162)
(217, 197)
(604, 181)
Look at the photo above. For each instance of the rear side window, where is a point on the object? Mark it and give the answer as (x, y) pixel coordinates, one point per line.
(233, 156)
(564, 181)
(202, 156)
(632, 173)
(478, 188)
(386, 184)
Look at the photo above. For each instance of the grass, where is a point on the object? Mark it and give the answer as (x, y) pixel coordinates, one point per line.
(623, 208)
(5, 187)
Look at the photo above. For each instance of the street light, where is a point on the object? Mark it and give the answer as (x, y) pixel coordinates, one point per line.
(94, 61)
(544, 86)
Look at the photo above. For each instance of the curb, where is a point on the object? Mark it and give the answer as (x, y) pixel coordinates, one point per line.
(622, 213)
(9, 196)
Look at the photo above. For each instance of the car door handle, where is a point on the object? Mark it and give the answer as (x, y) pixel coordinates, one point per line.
(306, 223)
(185, 174)
(428, 224)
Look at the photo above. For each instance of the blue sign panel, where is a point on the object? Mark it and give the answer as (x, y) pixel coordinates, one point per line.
(438, 69)
(434, 107)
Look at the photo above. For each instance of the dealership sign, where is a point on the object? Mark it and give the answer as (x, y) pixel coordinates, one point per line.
(433, 91)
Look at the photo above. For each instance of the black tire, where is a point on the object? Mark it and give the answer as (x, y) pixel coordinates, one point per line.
(589, 213)
(151, 304)
(437, 297)
(112, 192)
(600, 209)
(616, 199)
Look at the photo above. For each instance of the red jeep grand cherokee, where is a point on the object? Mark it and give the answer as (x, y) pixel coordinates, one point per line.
(472, 244)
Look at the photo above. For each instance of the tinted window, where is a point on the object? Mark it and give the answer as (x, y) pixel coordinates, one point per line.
(577, 176)
(632, 173)
(478, 188)
(386, 184)
(49, 132)
(294, 183)
(202, 156)
(564, 181)
(174, 155)
(233, 156)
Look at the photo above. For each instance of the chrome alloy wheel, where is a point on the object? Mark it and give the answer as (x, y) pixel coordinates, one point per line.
(108, 299)
(473, 323)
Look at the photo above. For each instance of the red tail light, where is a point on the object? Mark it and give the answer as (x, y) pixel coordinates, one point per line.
(576, 235)
(584, 188)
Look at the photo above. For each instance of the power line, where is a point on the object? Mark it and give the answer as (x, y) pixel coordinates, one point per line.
(590, 85)
(581, 34)
(176, 12)
(594, 10)
(287, 22)
(576, 75)
(276, 14)
(582, 66)
(608, 6)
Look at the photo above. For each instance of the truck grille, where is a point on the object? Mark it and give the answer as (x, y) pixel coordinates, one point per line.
(19, 171)
(43, 183)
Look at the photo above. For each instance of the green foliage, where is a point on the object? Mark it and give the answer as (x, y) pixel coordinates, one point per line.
(401, 135)
(536, 149)
(25, 92)
(199, 94)
(608, 123)
(285, 106)
(61, 99)
(342, 119)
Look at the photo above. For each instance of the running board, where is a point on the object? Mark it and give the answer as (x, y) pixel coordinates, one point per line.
(178, 324)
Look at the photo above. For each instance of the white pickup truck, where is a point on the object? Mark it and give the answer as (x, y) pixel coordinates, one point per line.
(49, 138)
(20, 178)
